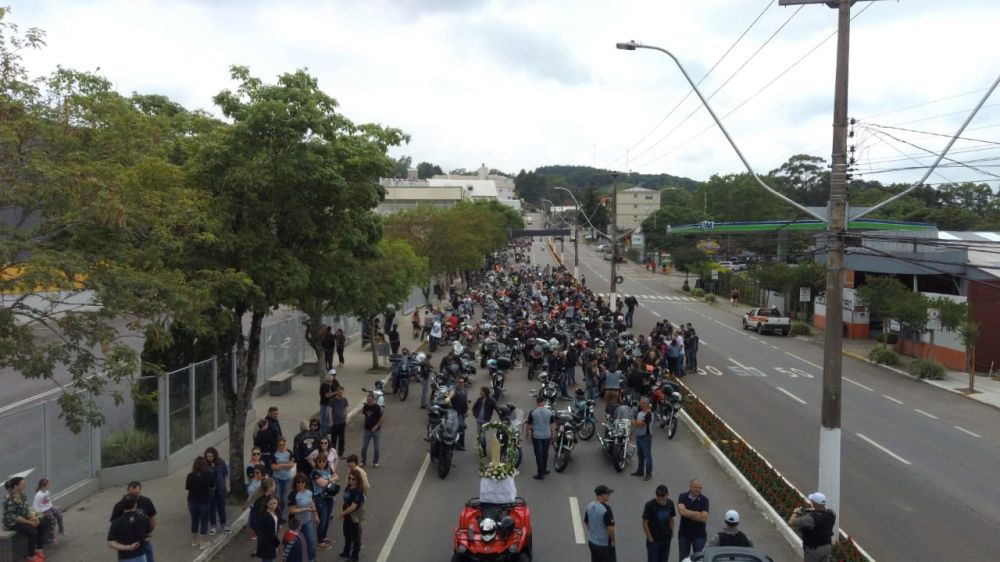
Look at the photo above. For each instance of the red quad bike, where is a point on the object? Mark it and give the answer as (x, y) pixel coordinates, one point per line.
(493, 532)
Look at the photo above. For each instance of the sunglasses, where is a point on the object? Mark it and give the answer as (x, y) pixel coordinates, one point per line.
(661, 495)
(255, 454)
(324, 442)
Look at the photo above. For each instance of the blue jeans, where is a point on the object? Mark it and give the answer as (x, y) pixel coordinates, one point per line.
(658, 551)
(541, 447)
(425, 387)
(324, 508)
(628, 317)
(218, 506)
(591, 392)
(281, 490)
(308, 531)
(692, 360)
(644, 448)
(199, 517)
(571, 375)
(324, 420)
(147, 545)
(687, 545)
(140, 558)
(563, 386)
(370, 436)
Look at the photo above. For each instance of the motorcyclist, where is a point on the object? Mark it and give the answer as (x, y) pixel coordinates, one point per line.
(424, 371)
(448, 360)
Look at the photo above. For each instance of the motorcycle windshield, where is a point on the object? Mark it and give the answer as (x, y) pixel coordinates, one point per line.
(450, 424)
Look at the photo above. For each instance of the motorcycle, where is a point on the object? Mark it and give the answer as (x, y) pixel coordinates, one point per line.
(443, 433)
(549, 389)
(536, 360)
(667, 406)
(567, 428)
(493, 532)
(498, 375)
(466, 358)
(586, 421)
(615, 442)
(400, 377)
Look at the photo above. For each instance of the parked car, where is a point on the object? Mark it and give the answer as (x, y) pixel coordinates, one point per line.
(767, 320)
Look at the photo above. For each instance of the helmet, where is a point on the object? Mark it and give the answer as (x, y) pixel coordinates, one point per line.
(488, 528)
(554, 343)
(420, 359)
(491, 363)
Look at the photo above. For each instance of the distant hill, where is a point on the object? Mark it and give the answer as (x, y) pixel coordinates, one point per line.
(579, 177)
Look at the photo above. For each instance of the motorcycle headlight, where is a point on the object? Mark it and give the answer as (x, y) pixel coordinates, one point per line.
(462, 549)
(512, 548)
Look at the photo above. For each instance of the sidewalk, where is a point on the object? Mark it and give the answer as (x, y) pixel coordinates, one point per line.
(87, 521)
(987, 389)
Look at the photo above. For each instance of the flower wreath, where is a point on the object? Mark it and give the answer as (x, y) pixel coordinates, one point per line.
(496, 467)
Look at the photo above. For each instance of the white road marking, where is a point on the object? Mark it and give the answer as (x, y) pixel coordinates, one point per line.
(390, 541)
(856, 383)
(775, 347)
(702, 341)
(574, 513)
(657, 314)
(887, 397)
(793, 397)
(923, 413)
(883, 449)
(737, 363)
(963, 430)
(806, 361)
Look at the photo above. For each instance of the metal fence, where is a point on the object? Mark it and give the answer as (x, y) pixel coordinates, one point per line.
(194, 403)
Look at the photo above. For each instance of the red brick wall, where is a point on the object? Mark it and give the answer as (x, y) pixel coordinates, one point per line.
(984, 298)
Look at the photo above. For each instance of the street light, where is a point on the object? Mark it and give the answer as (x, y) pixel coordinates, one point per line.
(576, 233)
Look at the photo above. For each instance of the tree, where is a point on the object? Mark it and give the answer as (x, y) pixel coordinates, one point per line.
(388, 278)
(506, 216)
(401, 167)
(91, 207)
(882, 296)
(687, 258)
(803, 178)
(282, 177)
(956, 317)
(427, 170)
(594, 210)
(532, 187)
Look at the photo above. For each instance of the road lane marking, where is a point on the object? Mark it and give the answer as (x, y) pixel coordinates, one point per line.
(963, 430)
(775, 347)
(723, 324)
(737, 363)
(657, 314)
(793, 397)
(700, 340)
(921, 412)
(574, 513)
(390, 541)
(806, 361)
(856, 383)
(887, 397)
(883, 449)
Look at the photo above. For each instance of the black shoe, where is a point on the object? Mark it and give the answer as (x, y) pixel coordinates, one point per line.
(647, 477)
(546, 472)
(344, 555)
(459, 448)
(539, 477)
(637, 473)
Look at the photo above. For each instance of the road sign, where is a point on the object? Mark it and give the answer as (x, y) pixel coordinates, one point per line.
(894, 326)
(933, 318)
(707, 225)
(805, 294)
(715, 274)
(708, 246)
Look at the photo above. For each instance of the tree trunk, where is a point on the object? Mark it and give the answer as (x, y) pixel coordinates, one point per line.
(313, 327)
(370, 322)
(240, 399)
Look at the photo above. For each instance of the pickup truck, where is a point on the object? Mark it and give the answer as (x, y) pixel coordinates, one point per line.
(767, 320)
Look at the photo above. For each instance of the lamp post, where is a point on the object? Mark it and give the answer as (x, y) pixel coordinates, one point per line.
(576, 233)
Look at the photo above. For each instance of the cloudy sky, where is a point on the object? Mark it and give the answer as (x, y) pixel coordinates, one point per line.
(520, 83)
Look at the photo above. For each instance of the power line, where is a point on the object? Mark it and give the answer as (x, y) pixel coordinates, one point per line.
(927, 133)
(931, 152)
(688, 94)
(758, 92)
(731, 76)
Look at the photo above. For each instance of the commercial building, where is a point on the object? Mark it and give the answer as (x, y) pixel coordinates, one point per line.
(635, 204)
(401, 195)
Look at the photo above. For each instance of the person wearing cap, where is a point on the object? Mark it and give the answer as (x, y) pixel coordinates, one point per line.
(730, 535)
(693, 507)
(373, 415)
(642, 422)
(658, 525)
(816, 526)
(326, 389)
(599, 522)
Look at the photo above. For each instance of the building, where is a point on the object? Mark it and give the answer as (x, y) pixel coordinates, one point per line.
(401, 195)
(635, 204)
(961, 266)
(484, 185)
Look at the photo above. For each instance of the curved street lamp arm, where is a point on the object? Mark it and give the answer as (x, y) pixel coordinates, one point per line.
(633, 45)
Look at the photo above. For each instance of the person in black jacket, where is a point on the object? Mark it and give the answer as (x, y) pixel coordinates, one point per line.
(483, 410)
(268, 531)
(200, 486)
(265, 440)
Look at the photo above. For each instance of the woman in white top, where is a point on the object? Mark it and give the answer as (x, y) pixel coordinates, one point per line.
(327, 451)
(43, 504)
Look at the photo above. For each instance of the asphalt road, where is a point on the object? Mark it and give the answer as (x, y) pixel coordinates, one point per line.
(919, 465)
(412, 513)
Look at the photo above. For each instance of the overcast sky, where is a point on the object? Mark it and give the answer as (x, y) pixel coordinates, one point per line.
(520, 84)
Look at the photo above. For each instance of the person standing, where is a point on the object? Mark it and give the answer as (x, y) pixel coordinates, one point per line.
(423, 363)
(326, 389)
(394, 339)
(305, 442)
(643, 424)
(220, 470)
(816, 527)
(302, 506)
(734, 297)
(352, 513)
(373, 428)
(415, 322)
(341, 339)
(730, 535)
(128, 532)
(599, 522)
(541, 427)
(691, 348)
(268, 528)
(338, 420)
(693, 507)
(281, 471)
(327, 342)
(460, 403)
(265, 442)
(630, 304)
(483, 410)
(17, 516)
(200, 486)
(658, 525)
(146, 507)
(324, 488)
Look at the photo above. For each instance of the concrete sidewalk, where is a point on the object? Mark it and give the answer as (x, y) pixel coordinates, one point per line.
(87, 521)
(987, 390)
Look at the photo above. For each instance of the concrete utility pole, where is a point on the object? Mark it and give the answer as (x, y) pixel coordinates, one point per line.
(829, 433)
(614, 241)
(576, 233)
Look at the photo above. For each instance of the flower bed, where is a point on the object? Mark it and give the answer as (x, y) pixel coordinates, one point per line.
(775, 489)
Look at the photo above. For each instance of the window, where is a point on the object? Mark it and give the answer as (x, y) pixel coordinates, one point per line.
(649, 198)
(635, 206)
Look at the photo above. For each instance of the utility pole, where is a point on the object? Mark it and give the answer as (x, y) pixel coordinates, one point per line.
(614, 241)
(829, 433)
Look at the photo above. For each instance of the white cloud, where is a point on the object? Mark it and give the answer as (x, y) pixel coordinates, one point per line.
(519, 84)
